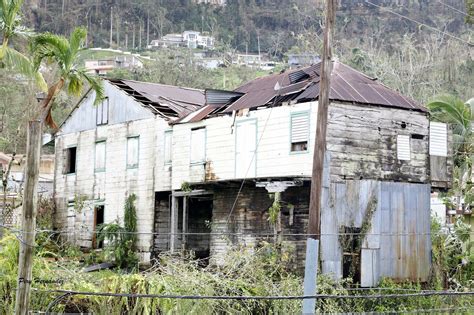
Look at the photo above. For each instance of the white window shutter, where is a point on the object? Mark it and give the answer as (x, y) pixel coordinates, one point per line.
(168, 146)
(438, 139)
(245, 146)
(198, 145)
(132, 151)
(299, 127)
(100, 155)
(403, 147)
(105, 111)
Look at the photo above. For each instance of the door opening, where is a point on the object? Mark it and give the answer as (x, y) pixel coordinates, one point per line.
(98, 220)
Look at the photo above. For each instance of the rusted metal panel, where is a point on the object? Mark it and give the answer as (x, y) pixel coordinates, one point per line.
(166, 100)
(397, 244)
(347, 85)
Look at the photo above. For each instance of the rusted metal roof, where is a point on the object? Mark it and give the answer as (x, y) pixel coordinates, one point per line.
(166, 100)
(347, 85)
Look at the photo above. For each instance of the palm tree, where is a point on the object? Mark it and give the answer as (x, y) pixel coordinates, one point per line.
(10, 27)
(63, 53)
(460, 117)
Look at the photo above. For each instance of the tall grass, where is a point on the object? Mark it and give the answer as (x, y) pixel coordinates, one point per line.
(242, 272)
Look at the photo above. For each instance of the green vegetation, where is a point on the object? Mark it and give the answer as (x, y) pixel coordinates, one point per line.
(460, 116)
(121, 241)
(242, 272)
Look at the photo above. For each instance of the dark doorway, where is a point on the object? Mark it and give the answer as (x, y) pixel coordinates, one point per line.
(351, 244)
(98, 220)
(199, 226)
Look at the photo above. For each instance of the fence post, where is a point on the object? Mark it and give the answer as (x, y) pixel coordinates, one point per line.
(310, 275)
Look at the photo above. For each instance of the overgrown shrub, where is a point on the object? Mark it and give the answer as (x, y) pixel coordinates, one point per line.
(121, 240)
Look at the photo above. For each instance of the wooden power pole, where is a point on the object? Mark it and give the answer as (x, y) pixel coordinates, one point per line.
(28, 222)
(314, 227)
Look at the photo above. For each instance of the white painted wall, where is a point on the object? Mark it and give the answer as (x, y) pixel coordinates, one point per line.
(273, 157)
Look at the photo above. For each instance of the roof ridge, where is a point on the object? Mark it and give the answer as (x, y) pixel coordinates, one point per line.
(160, 84)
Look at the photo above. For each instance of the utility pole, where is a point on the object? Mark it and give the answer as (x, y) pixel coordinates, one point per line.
(148, 28)
(140, 37)
(111, 26)
(314, 225)
(28, 222)
(133, 37)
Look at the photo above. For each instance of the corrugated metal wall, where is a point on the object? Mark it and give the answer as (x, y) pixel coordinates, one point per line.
(397, 244)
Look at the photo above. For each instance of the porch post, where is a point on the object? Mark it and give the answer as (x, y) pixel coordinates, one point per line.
(185, 222)
(174, 223)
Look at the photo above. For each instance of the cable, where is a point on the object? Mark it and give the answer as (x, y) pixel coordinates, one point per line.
(58, 232)
(259, 297)
(254, 154)
(451, 7)
(419, 23)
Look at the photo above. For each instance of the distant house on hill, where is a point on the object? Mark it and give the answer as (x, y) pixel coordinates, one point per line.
(213, 2)
(302, 60)
(189, 39)
(103, 66)
(207, 165)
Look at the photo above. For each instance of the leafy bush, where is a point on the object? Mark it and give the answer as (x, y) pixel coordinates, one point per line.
(121, 241)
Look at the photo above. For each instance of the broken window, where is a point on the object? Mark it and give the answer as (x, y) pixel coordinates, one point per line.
(102, 112)
(438, 139)
(98, 221)
(351, 244)
(198, 145)
(403, 147)
(132, 151)
(99, 156)
(168, 146)
(70, 157)
(299, 132)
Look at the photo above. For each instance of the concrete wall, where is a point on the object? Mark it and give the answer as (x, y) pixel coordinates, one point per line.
(111, 186)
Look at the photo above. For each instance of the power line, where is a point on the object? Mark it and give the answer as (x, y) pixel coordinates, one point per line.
(419, 23)
(451, 7)
(260, 297)
(254, 154)
(222, 233)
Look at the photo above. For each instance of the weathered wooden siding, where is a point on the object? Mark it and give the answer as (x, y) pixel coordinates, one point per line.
(362, 141)
(397, 245)
(248, 224)
(111, 186)
(122, 108)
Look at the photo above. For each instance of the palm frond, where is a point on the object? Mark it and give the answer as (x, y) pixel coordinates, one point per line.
(96, 84)
(15, 60)
(451, 110)
(56, 47)
(9, 16)
(77, 40)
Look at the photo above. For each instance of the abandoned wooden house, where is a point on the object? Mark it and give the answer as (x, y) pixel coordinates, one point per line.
(208, 165)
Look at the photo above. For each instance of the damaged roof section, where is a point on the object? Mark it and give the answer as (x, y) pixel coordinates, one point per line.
(171, 102)
(347, 85)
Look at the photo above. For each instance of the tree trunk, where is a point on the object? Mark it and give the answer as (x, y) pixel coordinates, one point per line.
(28, 223)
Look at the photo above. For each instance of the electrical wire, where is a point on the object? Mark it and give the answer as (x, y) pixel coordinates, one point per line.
(420, 23)
(453, 8)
